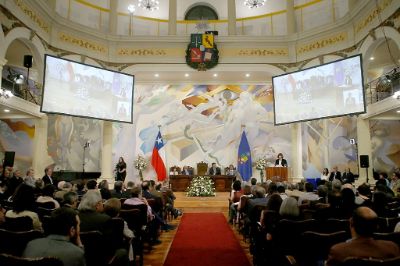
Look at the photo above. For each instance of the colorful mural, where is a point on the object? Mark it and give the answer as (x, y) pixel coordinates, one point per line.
(201, 123)
(17, 135)
(385, 144)
(326, 143)
(66, 138)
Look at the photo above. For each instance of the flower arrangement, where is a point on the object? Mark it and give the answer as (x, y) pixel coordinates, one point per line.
(201, 186)
(140, 164)
(261, 163)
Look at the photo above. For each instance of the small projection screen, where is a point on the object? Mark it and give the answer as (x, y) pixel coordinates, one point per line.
(72, 88)
(328, 90)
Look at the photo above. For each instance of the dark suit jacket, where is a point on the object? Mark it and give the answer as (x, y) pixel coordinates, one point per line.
(348, 177)
(46, 180)
(284, 162)
(338, 176)
(185, 173)
(364, 248)
(217, 171)
(94, 221)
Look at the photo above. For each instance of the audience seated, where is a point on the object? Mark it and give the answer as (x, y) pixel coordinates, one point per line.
(47, 196)
(395, 184)
(234, 199)
(104, 190)
(91, 184)
(91, 212)
(289, 209)
(23, 204)
(309, 195)
(63, 242)
(362, 225)
(364, 195)
(29, 179)
(118, 191)
(70, 200)
(63, 188)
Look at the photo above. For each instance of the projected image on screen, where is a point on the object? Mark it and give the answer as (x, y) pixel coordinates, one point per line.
(329, 90)
(80, 90)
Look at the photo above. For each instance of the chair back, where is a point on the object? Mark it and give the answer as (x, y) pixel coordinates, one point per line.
(392, 236)
(46, 205)
(316, 246)
(387, 224)
(44, 211)
(23, 223)
(136, 218)
(334, 225)
(95, 246)
(10, 260)
(371, 262)
(14, 243)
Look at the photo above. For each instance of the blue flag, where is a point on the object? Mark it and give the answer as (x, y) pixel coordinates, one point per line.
(244, 159)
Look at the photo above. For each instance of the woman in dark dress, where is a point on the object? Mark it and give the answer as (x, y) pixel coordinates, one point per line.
(121, 170)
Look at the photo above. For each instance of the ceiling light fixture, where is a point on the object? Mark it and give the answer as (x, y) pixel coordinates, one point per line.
(186, 75)
(396, 95)
(156, 75)
(371, 58)
(398, 111)
(5, 93)
(149, 5)
(215, 75)
(254, 3)
(6, 110)
(247, 75)
(131, 9)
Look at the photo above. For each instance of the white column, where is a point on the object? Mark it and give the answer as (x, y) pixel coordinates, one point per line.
(113, 19)
(231, 17)
(40, 157)
(364, 148)
(172, 17)
(297, 150)
(106, 152)
(3, 62)
(290, 17)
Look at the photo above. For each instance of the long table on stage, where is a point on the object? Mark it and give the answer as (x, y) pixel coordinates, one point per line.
(179, 183)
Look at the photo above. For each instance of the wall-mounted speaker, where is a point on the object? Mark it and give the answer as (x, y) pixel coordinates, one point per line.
(364, 161)
(28, 61)
(9, 158)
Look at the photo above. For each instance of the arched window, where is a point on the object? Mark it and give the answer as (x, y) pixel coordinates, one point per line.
(201, 12)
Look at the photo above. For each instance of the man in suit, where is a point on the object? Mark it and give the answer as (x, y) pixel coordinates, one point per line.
(47, 178)
(280, 161)
(362, 224)
(185, 171)
(335, 174)
(214, 170)
(348, 176)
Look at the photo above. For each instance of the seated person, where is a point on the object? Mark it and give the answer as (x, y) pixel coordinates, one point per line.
(309, 195)
(348, 176)
(91, 212)
(185, 171)
(214, 170)
(118, 191)
(47, 196)
(335, 174)
(112, 208)
(70, 200)
(362, 225)
(63, 242)
(24, 200)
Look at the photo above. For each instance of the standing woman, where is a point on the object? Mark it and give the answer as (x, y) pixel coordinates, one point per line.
(121, 170)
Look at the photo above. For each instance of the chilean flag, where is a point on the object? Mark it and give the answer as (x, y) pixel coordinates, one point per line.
(158, 158)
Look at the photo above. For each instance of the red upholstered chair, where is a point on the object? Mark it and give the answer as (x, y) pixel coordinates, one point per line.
(10, 260)
(371, 262)
(14, 243)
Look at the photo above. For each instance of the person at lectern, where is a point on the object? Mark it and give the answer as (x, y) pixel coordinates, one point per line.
(120, 168)
(214, 170)
(280, 162)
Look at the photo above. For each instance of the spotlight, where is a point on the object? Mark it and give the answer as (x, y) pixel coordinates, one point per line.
(388, 78)
(19, 79)
(6, 110)
(396, 95)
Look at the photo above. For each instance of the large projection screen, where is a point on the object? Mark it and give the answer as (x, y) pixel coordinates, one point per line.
(72, 88)
(329, 90)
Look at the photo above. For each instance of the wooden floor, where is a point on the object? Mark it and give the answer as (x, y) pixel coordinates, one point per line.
(219, 203)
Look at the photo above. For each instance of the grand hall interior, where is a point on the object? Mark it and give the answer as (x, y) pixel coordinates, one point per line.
(213, 132)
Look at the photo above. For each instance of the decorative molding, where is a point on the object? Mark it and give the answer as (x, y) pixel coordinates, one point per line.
(32, 15)
(255, 52)
(89, 45)
(322, 43)
(144, 52)
(372, 15)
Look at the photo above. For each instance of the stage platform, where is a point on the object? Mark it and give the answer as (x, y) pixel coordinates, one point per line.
(219, 203)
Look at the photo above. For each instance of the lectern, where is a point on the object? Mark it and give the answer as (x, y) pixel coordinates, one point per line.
(282, 172)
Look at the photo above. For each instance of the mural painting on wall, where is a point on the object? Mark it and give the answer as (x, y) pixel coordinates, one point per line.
(17, 135)
(326, 143)
(385, 145)
(65, 140)
(202, 123)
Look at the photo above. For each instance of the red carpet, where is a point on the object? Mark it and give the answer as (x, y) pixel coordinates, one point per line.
(205, 239)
